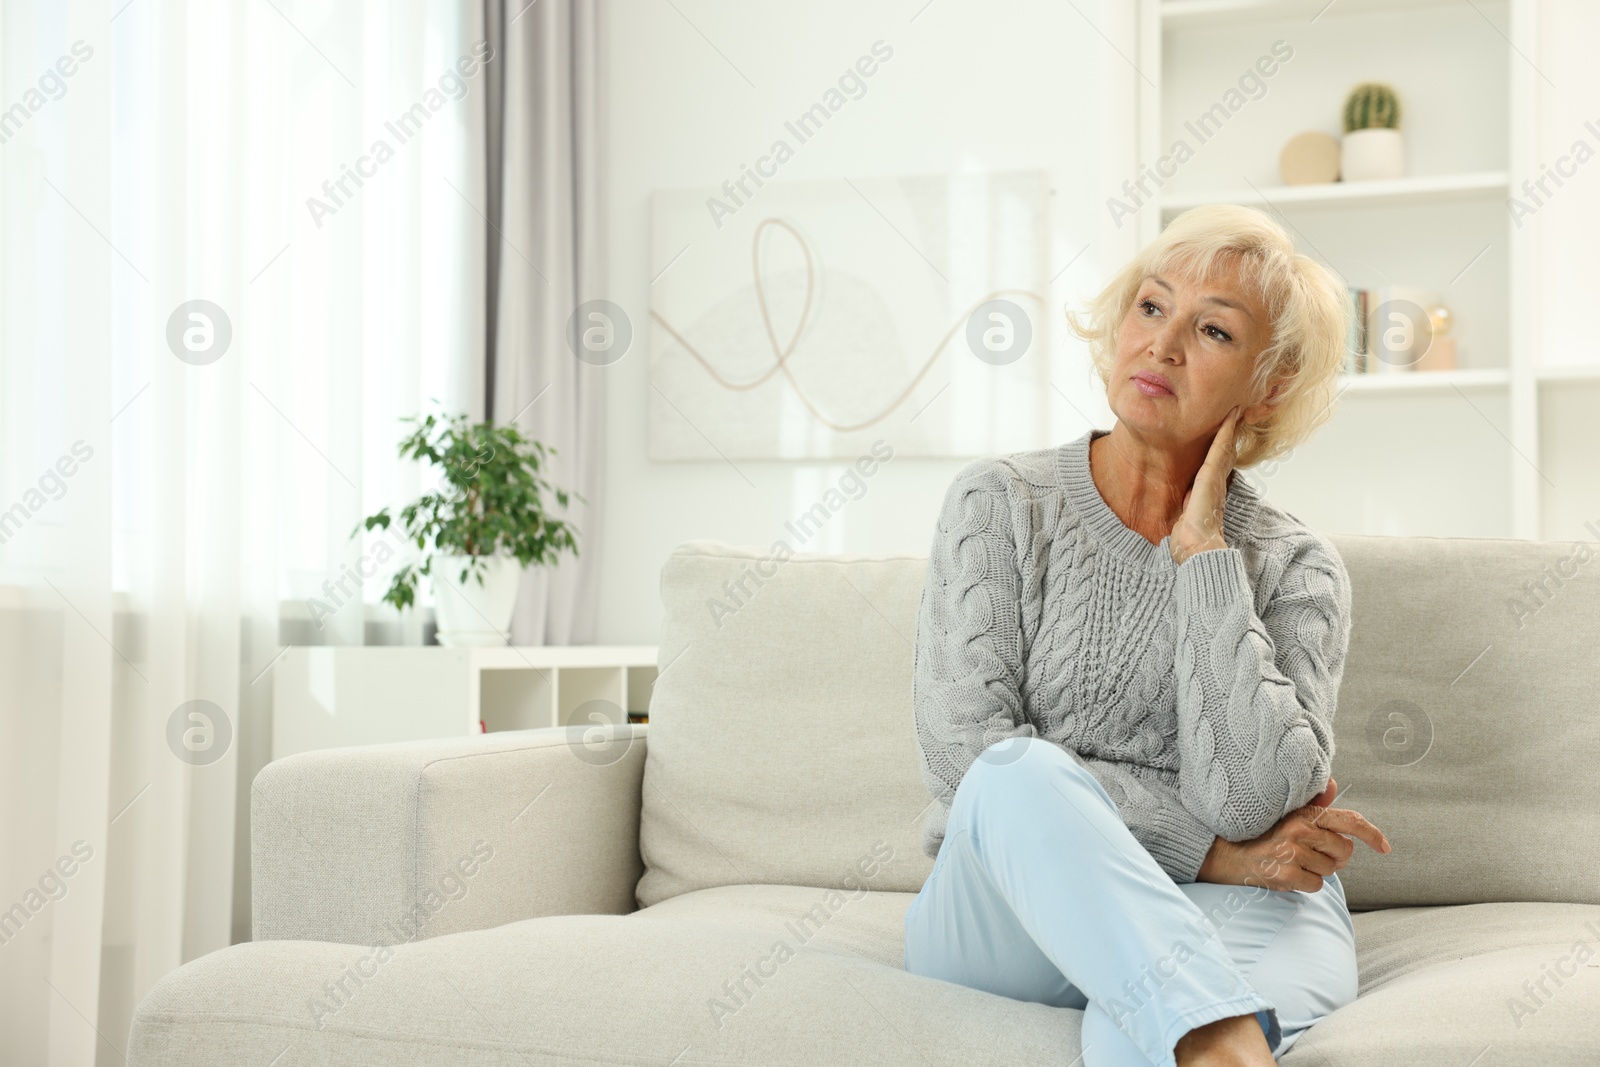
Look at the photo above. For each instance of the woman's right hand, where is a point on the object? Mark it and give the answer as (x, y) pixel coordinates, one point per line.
(1305, 846)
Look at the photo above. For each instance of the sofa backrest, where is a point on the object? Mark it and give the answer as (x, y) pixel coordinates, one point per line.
(1468, 723)
(781, 747)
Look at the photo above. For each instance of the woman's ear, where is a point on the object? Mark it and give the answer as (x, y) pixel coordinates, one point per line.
(1264, 407)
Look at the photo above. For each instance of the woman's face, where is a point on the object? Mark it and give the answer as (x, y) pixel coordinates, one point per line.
(1202, 339)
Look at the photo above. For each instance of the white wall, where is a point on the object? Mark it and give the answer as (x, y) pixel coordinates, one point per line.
(1005, 85)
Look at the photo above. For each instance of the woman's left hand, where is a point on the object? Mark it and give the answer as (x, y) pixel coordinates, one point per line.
(1305, 846)
(1199, 526)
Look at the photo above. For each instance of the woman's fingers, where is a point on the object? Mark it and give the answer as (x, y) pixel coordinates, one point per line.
(1304, 878)
(1298, 854)
(1281, 879)
(1283, 864)
(1336, 847)
(1309, 857)
(1345, 821)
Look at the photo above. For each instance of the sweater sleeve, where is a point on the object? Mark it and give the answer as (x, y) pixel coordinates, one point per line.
(1155, 814)
(967, 661)
(1256, 693)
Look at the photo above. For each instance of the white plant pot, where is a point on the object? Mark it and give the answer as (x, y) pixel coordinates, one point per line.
(1372, 155)
(471, 615)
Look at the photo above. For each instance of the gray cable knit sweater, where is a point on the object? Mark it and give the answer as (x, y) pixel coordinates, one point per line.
(1201, 696)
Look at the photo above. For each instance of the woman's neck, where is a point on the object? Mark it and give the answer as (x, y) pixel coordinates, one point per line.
(1142, 484)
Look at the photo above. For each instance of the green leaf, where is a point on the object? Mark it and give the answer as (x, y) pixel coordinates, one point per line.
(489, 501)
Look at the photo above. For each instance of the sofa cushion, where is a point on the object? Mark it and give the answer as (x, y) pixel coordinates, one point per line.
(1441, 986)
(684, 985)
(1438, 986)
(870, 925)
(1468, 724)
(781, 742)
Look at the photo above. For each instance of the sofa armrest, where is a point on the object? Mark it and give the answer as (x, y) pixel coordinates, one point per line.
(385, 844)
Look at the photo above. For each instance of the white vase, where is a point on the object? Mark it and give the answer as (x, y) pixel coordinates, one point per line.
(471, 615)
(1371, 155)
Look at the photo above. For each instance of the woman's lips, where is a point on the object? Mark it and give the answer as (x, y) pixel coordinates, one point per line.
(1151, 387)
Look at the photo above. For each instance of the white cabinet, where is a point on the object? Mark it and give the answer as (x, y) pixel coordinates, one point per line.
(332, 697)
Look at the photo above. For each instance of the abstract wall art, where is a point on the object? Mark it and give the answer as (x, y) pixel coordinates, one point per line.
(819, 316)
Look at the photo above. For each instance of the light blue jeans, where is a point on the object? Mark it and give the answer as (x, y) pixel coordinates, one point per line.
(1041, 893)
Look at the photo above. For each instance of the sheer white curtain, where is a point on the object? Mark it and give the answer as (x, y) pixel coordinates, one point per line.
(171, 472)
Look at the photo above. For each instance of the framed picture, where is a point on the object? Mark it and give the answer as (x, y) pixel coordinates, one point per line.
(806, 320)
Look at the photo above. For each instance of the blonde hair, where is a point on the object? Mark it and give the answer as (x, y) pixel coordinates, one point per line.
(1306, 303)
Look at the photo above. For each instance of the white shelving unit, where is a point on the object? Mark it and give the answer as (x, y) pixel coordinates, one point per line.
(1579, 373)
(1448, 453)
(1437, 380)
(331, 697)
(1432, 189)
(1177, 13)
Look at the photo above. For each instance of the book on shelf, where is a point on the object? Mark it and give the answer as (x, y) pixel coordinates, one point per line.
(1414, 336)
(1356, 356)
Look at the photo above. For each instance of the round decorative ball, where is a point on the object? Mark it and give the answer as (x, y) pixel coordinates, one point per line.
(1441, 319)
(1309, 158)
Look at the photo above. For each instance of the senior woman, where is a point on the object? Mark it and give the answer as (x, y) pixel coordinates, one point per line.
(1125, 673)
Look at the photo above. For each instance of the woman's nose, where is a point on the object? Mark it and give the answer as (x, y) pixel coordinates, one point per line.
(1167, 343)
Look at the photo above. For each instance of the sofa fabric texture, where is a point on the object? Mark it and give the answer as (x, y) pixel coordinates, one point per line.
(728, 885)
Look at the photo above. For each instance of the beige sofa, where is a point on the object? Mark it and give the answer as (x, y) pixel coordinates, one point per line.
(727, 885)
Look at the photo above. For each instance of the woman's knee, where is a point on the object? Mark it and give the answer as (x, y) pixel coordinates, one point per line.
(1309, 968)
(993, 766)
(1026, 765)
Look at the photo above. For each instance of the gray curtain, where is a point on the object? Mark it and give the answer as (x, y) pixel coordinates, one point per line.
(545, 169)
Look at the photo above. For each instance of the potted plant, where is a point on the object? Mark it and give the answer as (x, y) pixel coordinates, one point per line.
(478, 530)
(1371, 148)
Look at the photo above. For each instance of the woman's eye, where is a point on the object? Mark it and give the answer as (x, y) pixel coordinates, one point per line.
(1220, 333)
(1145, 304)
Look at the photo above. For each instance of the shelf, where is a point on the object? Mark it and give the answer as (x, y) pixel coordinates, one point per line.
(1496, 378)
(513, 657)
(1434, 188)
(336, 696)
(1423, 381)
(1571, 373)
(1177, 14)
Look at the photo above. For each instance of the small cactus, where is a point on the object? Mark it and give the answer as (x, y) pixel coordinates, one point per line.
(1371, 105)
